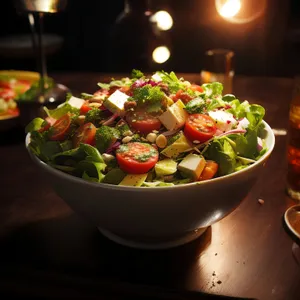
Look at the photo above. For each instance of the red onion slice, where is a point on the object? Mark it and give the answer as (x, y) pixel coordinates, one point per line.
(110, 120)
(170, 132)
(233, 131)
(113, 147)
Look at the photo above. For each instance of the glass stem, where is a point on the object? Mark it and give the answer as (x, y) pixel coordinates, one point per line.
(42, 57)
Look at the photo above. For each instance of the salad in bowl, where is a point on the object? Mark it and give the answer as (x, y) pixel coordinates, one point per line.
(150, 131)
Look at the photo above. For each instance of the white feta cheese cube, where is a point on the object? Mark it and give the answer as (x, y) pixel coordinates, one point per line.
(174, 117)
(224, 120)
(115, 102)
(76, 102)
(243, 123)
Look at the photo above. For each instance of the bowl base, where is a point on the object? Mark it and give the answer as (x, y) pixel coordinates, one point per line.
(154, 245)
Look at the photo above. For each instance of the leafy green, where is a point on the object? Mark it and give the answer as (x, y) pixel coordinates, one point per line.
(195, 106)
(216, 102)
(37, 139)
(66, 145)
(136, 74)
(95, 116)
(68, 96)
(221, 152)
(69, 157)
(50, 148)
(212, 89)
(105, 137)
(150, 97)
(91, 152)
(92, 169)
(228, 97)
(105, 86)
(85, 176)
(114, 176)
(34, 90)
(255, 115)
(61, 111)
(34, 125)
(86, 96)
(123, 128)
(246, 145)
(117, 83)
(174, 84)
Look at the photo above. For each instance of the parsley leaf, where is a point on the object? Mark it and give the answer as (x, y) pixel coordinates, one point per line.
(172, 81)
(136, 74)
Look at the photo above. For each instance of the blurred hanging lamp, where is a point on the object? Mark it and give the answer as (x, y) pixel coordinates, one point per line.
(240, 11)
(139, 38)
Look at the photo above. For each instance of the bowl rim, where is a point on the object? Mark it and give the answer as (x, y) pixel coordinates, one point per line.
(156, 188)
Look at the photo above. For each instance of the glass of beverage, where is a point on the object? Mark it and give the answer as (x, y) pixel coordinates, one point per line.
(35, 10)
(218, 66)
(293, 148)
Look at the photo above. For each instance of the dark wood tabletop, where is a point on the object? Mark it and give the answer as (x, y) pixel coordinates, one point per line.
(48, 250)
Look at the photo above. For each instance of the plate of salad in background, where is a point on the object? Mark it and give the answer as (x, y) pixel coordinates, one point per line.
(14, 84)
(150, 131)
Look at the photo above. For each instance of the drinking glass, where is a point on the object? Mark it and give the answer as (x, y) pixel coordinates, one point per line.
(35, 10)
(293, 147)
(218, 66)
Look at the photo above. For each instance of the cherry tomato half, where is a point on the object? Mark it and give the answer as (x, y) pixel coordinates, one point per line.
(136, 158)
(60, 128)
(7, 94)
(209, 171)
(182, 95)
(142, 121)
(85, 134)
(199, 127)
(85, 108)
(196, 88)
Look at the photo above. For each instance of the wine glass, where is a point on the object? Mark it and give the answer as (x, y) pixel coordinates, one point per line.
(35, 10)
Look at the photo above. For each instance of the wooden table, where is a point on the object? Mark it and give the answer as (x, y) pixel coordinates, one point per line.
(49, 250)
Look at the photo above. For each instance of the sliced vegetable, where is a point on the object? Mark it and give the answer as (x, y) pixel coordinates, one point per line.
(209, 171)
(105, 137)
(142, 121)
(136, 158)
(85, 134)
(60, 128)
(199, 128)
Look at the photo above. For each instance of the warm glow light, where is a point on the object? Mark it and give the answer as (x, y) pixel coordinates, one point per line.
(230, 8)
(163, 20)
(161, 54)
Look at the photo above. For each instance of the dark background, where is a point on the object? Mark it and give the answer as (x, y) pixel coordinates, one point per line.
(267, 46)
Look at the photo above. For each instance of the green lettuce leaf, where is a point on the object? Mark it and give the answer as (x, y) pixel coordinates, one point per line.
(212, 89)
(61, 110)
(34, 125)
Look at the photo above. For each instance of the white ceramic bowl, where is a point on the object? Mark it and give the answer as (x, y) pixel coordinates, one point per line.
(158, 217)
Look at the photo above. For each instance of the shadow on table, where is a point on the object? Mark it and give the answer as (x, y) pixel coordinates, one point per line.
(71, 246)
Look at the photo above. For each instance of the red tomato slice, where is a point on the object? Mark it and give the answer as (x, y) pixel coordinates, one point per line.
(5, 84)
(60, 128)
(49, 122)
(199, 127)
(136, 158)
(142, 121)
(125, 89)
(7, 94)
(210, 169)
(182, 95)
(12, 111)
(21, 86)
(85, 134)
(85, 108)
(196, 88)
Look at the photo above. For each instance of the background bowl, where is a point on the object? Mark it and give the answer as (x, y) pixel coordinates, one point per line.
(8, 121)
(158, 217)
